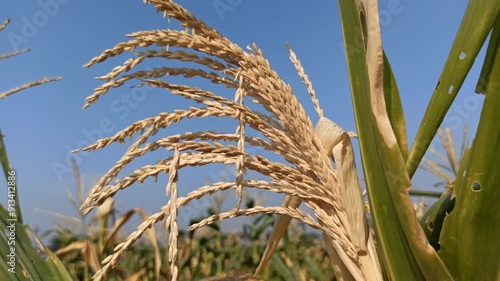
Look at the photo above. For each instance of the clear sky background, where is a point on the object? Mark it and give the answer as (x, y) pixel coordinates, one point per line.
(44, 123)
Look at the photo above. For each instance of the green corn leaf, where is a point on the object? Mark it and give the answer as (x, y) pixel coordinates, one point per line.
(4, 160)
(29, 265)
(387, 229)
(432, 221)
(395, 108)
(403, 252)
(489, 59)
(469, 239)
(476, 24)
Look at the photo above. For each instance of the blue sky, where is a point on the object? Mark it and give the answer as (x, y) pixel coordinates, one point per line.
(44, 123)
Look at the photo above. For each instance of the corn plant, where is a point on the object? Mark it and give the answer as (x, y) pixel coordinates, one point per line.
(396, 248)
